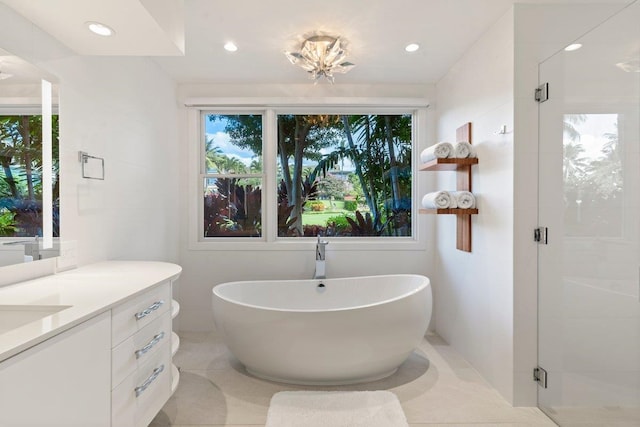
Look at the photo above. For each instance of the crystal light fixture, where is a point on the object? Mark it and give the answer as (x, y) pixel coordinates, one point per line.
(321, 56)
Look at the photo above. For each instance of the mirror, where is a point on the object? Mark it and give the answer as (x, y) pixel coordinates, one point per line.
(29, 167)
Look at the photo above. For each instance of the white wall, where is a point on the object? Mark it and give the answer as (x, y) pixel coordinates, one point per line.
(474, 291)
(122, 109)
(204, 269)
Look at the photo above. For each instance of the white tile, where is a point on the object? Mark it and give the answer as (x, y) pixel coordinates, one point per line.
(435, 385)
(482, 424)
(196, 319)
(595, 417)
(202, 351)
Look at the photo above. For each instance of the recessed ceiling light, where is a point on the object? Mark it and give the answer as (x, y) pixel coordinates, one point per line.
(412, 47)
(100, 29)
(572, 47)
(230, 47)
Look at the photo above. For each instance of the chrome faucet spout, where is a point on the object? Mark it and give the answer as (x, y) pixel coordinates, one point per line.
(31, 247)
(320, 249)
(320, 259)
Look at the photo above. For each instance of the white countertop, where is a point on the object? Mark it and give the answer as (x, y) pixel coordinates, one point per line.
(88, 290)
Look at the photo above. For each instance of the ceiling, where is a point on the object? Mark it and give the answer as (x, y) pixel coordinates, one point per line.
(15, 70)
(186, 38)
(377, 32)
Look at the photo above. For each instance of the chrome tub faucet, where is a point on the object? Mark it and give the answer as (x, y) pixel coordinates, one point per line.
(320, 259)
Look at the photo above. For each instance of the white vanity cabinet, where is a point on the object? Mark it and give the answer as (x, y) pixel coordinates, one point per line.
(61, 382)
(104, 361)
(141, 357)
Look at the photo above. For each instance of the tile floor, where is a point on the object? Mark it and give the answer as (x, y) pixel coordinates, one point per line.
(435, 386)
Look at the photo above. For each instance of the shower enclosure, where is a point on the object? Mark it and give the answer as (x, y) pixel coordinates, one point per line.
(589, 202)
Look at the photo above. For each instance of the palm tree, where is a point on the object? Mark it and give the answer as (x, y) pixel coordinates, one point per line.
(223, 164)
(256, 165)
(569, 125)
(574, 164)
(605, 173)
(231, 165)
(213, 155)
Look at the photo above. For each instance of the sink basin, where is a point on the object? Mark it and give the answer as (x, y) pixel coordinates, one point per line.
(14, 316)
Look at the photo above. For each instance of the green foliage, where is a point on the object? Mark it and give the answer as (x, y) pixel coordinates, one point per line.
(330, 186)
(232, 210)
(21, 172)
(350, 205)
(366, 225)
(315, 206)
(286, 223)
(379, 147)
(7, 223)
(356, 188)
(339, 224)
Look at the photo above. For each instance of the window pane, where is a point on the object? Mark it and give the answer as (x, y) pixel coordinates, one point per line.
(21, 176)
(233, 143)
(232, 207)
(344, 175)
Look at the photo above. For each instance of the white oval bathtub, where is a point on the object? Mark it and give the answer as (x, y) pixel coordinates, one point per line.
(330, 331)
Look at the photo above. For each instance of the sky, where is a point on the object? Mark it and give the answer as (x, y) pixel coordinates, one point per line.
(214, 130)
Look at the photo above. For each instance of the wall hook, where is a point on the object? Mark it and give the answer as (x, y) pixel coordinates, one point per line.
(502, 131)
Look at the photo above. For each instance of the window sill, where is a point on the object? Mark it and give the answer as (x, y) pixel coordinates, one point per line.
(308, 243)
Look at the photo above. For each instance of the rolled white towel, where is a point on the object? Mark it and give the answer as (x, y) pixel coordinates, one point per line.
(464, 199)
(463, 149)
(438, 200)
(441, 150)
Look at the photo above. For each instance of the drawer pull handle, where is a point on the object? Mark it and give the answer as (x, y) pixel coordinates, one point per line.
(140, 389)
(156, 339)
(153, 307)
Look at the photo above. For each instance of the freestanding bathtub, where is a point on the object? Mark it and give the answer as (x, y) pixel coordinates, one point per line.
(323, 332)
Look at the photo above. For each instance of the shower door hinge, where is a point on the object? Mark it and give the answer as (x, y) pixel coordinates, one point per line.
(540, 376)
(542, 92)
(540, 235)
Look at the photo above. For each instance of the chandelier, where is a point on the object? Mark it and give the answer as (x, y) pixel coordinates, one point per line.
(321, 56)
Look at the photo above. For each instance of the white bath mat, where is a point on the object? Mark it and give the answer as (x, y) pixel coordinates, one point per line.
(335, 409)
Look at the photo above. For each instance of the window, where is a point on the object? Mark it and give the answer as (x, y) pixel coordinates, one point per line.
(344, 175)
(21, 176)
(281, 174)
(232, 164)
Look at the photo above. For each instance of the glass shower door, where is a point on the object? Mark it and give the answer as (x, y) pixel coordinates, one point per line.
(589, 199)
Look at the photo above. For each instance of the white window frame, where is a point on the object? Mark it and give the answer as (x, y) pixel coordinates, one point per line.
(203, 174)
(270, 108)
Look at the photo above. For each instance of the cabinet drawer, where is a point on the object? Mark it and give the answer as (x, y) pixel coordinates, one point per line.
(141, 395)
(134, 351)
(133, 315)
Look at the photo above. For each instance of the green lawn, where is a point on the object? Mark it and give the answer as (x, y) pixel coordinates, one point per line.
(320, 218)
